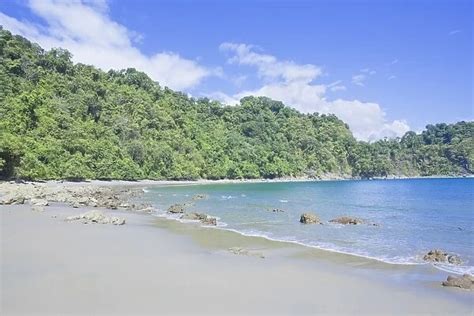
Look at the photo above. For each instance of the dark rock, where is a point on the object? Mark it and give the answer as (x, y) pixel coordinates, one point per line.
(346, 220)
(309, 218)
(464, 282)
(441, 256)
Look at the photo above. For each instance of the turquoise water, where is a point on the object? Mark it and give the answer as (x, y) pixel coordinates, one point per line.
(414, 215)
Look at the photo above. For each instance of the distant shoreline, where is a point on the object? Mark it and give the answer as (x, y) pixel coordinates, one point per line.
(232, 181)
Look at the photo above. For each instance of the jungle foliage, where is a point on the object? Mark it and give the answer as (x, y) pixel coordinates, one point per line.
(60, 120)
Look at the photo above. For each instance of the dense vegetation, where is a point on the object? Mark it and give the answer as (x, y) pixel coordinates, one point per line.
(73, 121)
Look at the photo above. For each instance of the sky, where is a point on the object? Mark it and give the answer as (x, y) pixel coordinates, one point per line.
(383, 67)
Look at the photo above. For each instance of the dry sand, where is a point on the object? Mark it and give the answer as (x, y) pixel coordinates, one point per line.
(155, 266)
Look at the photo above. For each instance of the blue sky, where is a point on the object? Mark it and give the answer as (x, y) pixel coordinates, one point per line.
(382, 66)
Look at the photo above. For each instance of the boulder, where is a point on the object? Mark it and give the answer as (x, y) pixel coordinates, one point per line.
(39, 202)
(309, 218)
(96, 217)
(441, 256)
(464, 282)
(346, 220)
(12, 200)
(176, 209)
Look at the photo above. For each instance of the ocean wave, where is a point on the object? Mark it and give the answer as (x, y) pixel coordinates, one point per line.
(283, 201)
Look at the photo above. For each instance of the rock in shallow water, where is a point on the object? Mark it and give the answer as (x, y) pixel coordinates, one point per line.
(441, 256)
(176, 208)
(464, 282)
(203, 218)
(346, 220)
(309, 218)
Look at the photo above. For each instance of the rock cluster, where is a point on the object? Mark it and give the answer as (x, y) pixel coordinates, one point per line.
(441, 256)
(96, 217)
(346, 220)
(203, 218)
(464, 282)
(41, 194)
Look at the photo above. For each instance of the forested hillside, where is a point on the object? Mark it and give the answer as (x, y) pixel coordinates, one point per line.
(60, 120)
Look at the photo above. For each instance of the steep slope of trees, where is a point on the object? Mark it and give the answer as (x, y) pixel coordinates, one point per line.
(63, 120)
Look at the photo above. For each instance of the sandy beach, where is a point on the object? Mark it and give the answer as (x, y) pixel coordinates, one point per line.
(153, 266)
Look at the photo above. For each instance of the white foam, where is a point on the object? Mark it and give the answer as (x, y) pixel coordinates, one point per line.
(454, 269)
(292, 240)
(283, 201)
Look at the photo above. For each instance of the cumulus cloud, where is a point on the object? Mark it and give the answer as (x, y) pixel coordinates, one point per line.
(367, 120)
(87, 31)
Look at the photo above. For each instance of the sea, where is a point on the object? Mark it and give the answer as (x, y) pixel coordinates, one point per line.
(405, 218)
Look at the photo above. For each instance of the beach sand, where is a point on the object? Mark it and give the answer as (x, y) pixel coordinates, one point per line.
(156, 266)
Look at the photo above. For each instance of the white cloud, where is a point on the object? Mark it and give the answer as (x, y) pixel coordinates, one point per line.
(391, 77)
(367, 120)
(269, 67)
(87, 31)
(453, 32)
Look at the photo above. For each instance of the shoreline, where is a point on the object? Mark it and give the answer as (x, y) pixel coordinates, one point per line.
(144, 182)
(442, 269)
(214, 245)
